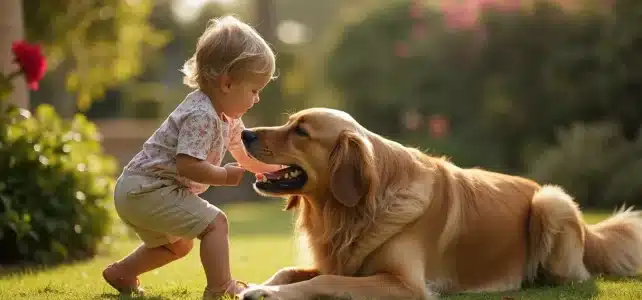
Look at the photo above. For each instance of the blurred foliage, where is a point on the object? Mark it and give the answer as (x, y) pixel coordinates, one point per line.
(278, 97)
(166, 87)
(159, 88)
(98, 44)
(595, 164)
(378, 84)
(56, 187)
(506, 85)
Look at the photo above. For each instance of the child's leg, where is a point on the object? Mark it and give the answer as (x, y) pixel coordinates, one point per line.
(215, 257)
(145, 259)
(160, 212)
(123, 274)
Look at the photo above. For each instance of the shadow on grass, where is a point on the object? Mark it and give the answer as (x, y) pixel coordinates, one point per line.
(179, 293)
(107, 296)
(584, 290)
(53, 292)
(576, 291)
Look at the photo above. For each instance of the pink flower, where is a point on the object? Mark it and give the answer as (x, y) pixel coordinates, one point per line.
(401, 49)
(438, 126)
(464, 14)
(461, 15)
(416, 9)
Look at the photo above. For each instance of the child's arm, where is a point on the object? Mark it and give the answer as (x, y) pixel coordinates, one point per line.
(195, 139)
(237, 149)
(200, 171)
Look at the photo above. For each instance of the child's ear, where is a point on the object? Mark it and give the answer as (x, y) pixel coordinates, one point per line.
(225, 83)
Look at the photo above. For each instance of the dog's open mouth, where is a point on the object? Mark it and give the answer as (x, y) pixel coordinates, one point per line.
(286, 179)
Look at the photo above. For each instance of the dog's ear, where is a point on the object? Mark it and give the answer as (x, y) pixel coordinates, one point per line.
(293, 202)
(352, 169)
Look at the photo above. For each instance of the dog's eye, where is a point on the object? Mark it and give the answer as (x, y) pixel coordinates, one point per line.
(300, 131)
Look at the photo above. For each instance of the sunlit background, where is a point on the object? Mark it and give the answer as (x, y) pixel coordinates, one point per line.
(549, 89)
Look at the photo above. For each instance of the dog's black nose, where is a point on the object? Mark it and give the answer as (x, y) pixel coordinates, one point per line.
(248, 136)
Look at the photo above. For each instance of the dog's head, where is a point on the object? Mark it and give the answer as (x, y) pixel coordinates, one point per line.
(327, 153)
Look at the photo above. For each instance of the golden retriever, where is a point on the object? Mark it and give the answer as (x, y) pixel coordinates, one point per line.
(385, 221)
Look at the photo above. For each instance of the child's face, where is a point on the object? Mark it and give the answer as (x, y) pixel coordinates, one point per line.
(240, 95)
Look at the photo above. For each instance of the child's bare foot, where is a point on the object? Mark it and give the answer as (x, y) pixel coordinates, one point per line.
(122, 283)
(232, 288)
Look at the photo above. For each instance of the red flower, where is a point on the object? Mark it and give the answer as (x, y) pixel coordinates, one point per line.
(31, 61)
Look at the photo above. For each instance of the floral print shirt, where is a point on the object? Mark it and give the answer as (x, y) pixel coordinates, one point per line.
(193, 128)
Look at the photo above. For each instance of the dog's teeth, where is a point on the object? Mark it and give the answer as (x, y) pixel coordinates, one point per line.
(287, 175)
(264, 179)
(295, 173)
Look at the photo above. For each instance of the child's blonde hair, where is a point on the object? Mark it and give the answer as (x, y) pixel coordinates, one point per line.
(228, 47)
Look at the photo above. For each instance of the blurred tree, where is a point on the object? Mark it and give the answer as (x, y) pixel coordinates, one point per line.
(265, 19)
(554, 68)
(12, 26)
(507, 79)
(158, 88)
(276, 98)
(397, 62)
(95, 44)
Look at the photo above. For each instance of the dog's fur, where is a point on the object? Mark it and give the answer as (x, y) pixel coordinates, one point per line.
(385, 221)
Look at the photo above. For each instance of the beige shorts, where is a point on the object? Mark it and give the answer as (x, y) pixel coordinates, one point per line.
(159, 210)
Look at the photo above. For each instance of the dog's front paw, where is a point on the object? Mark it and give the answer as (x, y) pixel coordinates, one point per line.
(260, 293)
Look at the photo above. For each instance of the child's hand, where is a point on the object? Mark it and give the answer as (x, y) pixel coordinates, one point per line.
(234, 173)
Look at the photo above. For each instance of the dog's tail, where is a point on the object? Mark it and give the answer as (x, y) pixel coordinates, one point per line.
(614, 246)
(563, 248)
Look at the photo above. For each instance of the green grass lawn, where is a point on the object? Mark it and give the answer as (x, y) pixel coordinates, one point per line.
(261, 244)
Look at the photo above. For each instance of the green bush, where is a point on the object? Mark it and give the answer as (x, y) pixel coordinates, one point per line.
(55, 187)
(378, 86)
(595, 164)
(505, 85)
(624, 186)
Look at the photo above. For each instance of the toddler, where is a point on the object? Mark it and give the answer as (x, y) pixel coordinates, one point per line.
(156, 194)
